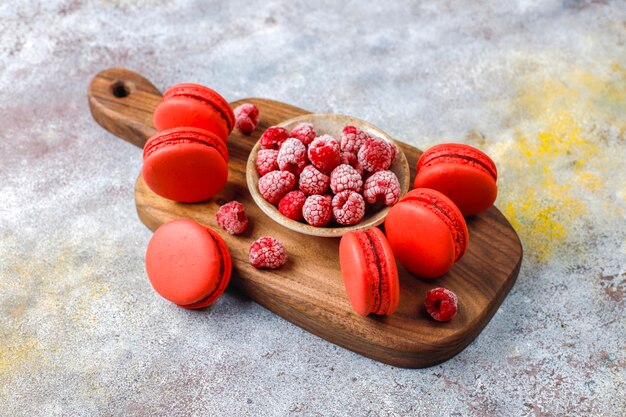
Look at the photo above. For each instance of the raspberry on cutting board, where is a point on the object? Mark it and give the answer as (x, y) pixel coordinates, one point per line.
(441, 304)
(232, 218)
(267, 252)
(246, 118)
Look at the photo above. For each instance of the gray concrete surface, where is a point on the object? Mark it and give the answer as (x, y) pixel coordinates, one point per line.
(540, 85)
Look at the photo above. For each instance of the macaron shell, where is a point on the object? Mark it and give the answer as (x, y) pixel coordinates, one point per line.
(206, 94)
(185, 264)
(356, 274)
(473, 191)
(185, 164)
(185, 172)
(446, 211)
(369, 272)
(188, 112)
(463, 173)
(224, 276)
(461, 153)
(420, 241)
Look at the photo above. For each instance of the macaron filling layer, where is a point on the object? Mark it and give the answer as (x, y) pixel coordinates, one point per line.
(369, 251)
(183, 137)
(372, 249)
(206, 96)
(442, 210)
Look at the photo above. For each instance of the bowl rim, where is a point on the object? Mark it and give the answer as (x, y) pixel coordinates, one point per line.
(400, 165)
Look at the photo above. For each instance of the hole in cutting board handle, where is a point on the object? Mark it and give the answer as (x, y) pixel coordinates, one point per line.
(122, 88)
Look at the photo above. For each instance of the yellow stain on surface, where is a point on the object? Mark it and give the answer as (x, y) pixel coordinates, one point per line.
(558, 155)
(16, 352)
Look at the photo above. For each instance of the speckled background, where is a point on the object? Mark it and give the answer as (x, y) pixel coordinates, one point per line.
(539, 85)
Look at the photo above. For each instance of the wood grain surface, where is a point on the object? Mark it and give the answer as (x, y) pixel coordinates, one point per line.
(308, 291)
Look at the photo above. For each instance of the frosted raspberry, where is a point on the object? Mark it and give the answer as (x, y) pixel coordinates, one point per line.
(274, 185)
(352, 139)
(246, 118)
(351, 159)
(382, 186)
(312, 181)
(317, 210)
(305, 132)
(273, 137)
(291, 204)
(344, 177)
(348, 207)
(232, 218)
(266, 161)
(441, 304)
(292, 156)
(267, 252)
(324, 153)
(375, 154)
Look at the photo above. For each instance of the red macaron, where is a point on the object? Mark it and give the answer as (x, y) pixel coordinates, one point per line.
(463, 173)
(185, 164)
(427, 232)
(194, 105)
(369, 272)
(188, 264)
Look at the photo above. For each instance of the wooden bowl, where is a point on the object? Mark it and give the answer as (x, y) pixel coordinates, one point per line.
(330, 124)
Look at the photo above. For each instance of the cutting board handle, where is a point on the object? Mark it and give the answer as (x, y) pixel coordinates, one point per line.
(123, 102)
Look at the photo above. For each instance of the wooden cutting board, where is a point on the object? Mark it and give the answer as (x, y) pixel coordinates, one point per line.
(308, 291)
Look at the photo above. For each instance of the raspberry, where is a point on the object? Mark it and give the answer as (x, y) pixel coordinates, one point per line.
(375, 154)
(348, 207)
(246, 118)
(312, 181)
(352, 139)
(273, 137)
(267, 252)
(305, 132)
(291, 204)
(382, 186)
(351, 159)
(266, 161)
(441, 304)
(274, 185)
(324, 153)
(317, 210)
(292, 156)
(344, 177)
(232, 218)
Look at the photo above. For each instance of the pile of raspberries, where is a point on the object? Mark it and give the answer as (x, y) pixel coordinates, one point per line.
(320, 179)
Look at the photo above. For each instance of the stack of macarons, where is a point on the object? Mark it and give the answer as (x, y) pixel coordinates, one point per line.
(187, 160)
(426, 230)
